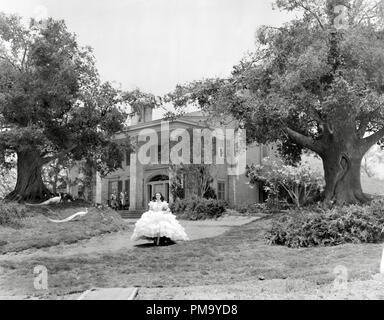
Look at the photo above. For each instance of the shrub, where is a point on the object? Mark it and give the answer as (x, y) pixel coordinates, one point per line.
(196, 208)
(299, 184)
(7, 181)
(11, 214)
(257, 207)
(349, 224)
(250, 208)
(199, 178)
(177, 190)
(242, 209)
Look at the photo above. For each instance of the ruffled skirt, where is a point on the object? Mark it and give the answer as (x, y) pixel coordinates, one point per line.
(153, 224)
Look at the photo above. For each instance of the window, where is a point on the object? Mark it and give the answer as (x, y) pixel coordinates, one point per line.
(214, 146)
(119, 188)
(221, 190)
(202, 149)
(127, 190)
(265, 151)
(159, 153)
(180, 152)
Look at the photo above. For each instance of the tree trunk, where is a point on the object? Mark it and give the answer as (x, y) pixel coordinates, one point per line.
(342, 176)
(29, 185)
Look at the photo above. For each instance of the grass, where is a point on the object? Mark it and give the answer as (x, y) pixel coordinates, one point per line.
(35, 230)
(238, 255)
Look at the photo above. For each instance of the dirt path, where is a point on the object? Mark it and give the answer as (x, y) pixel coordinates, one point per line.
(109, 243)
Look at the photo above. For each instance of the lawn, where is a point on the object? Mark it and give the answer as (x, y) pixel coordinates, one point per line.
(36, 231)
(372, 186)
(238, 256)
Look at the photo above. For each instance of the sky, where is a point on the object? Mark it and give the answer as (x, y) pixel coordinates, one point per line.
(155, 44)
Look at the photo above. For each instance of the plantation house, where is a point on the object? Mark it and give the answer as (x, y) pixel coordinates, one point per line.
(140, 181)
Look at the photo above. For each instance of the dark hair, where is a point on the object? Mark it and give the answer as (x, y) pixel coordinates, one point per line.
(161, 196)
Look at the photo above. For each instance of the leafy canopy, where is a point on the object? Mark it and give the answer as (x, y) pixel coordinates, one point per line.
(52, 101)
(308, 83)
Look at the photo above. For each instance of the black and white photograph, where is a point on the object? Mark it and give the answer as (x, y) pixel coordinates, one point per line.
(195, 150)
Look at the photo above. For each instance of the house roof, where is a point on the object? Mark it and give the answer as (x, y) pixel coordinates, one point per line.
(195, 119)
(195, 114)
(192, 119)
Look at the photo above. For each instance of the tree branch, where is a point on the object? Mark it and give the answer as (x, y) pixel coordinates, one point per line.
(311, 12)
(24, 55)
(10, 61)
(250, 65)
(365, 119)
(303, 140)
(368, 142)
(58, 155)
(363, 127)
(316, 117)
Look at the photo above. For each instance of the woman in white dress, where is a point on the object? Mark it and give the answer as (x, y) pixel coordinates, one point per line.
(158, 223)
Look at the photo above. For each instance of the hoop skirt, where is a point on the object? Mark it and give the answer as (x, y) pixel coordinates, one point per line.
(158, 221)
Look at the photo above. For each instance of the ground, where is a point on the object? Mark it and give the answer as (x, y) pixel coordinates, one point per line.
(372, 186)
(276, 289)
(225, 259)
(120, 240)
(37, 231)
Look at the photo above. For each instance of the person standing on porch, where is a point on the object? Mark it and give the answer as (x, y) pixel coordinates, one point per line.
(114, 203)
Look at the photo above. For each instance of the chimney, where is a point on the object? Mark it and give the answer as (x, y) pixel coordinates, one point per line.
(148, 114)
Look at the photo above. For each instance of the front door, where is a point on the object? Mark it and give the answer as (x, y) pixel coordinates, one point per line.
(162, 187)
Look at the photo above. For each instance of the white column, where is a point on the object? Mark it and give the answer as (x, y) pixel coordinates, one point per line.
(234, 183)
(132, 182)
(98, 188)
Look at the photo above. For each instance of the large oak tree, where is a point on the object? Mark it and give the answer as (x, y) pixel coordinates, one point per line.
(52, 104)
(315, 83)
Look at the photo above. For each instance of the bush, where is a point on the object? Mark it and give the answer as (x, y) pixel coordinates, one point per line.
(198, 208)
(8, 179)
(242, 209)
(11, 214)
(257, 207)
(349, 224)
(298, 184)
(250, 208)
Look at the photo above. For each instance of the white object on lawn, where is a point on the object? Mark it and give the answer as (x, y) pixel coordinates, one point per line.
(77, 214)
(49, 201)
